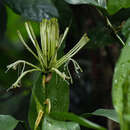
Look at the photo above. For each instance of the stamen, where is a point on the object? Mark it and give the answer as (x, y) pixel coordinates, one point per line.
(16, 84)
(73, 51)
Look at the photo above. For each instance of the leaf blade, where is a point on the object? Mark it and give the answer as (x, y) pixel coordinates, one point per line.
(7, 122)
(72, 117)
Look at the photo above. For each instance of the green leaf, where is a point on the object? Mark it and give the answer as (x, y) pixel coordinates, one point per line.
(37, 99)
(99, 3)
(7, 122)
(121, 85)
(115, 5)
(126, 28)
(108, 113)
(99, 37)
(57, 91)
(51, 124)
(33, 9)
(72, 117)
(16, 22)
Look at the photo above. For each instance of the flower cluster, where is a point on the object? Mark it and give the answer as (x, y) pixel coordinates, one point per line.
(46, 51)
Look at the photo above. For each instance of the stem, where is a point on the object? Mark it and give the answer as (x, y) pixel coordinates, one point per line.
(47, 100)
(110, 25)
(38, 120)
(41, 112)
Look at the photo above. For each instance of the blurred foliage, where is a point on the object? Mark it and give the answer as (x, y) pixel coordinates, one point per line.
(55, 125)
(7, 122)
(100, 37)
(121, 83)
(126, 28)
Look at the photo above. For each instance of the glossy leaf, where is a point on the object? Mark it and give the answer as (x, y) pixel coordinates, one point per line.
(7, 122)
(51, 124)
(126, 28)
(112, 6)
(121, 85)
(108, 113)
(33, 9)
(72, 117)
(99, 3)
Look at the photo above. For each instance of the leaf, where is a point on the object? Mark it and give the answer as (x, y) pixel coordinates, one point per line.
(126, 28)
(115, 5)
(99, 3)
(16, 22)
(65, 13)
(108, 113)
(7, 122)
(72, 117)
(121, 85)
(51, 124)
(112, 6)
(37, 99)
(99, 37)
(33, 9)
(56, 90)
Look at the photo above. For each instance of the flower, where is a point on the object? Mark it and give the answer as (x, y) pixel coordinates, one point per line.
(46, 54)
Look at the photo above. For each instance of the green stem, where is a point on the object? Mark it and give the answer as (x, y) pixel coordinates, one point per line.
(112, 28)
(47, 100)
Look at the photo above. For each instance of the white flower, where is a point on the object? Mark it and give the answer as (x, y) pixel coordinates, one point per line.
(47, 52)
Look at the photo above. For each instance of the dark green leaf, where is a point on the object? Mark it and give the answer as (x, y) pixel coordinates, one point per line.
(51, 124)
(121, 85)
(108, 113)
(99, 36)
(126, 28)
(72, 117)
(65, 13)
(7, 122)
(33, 9)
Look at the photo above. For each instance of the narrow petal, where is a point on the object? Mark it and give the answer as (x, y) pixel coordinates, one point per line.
(84, 40)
